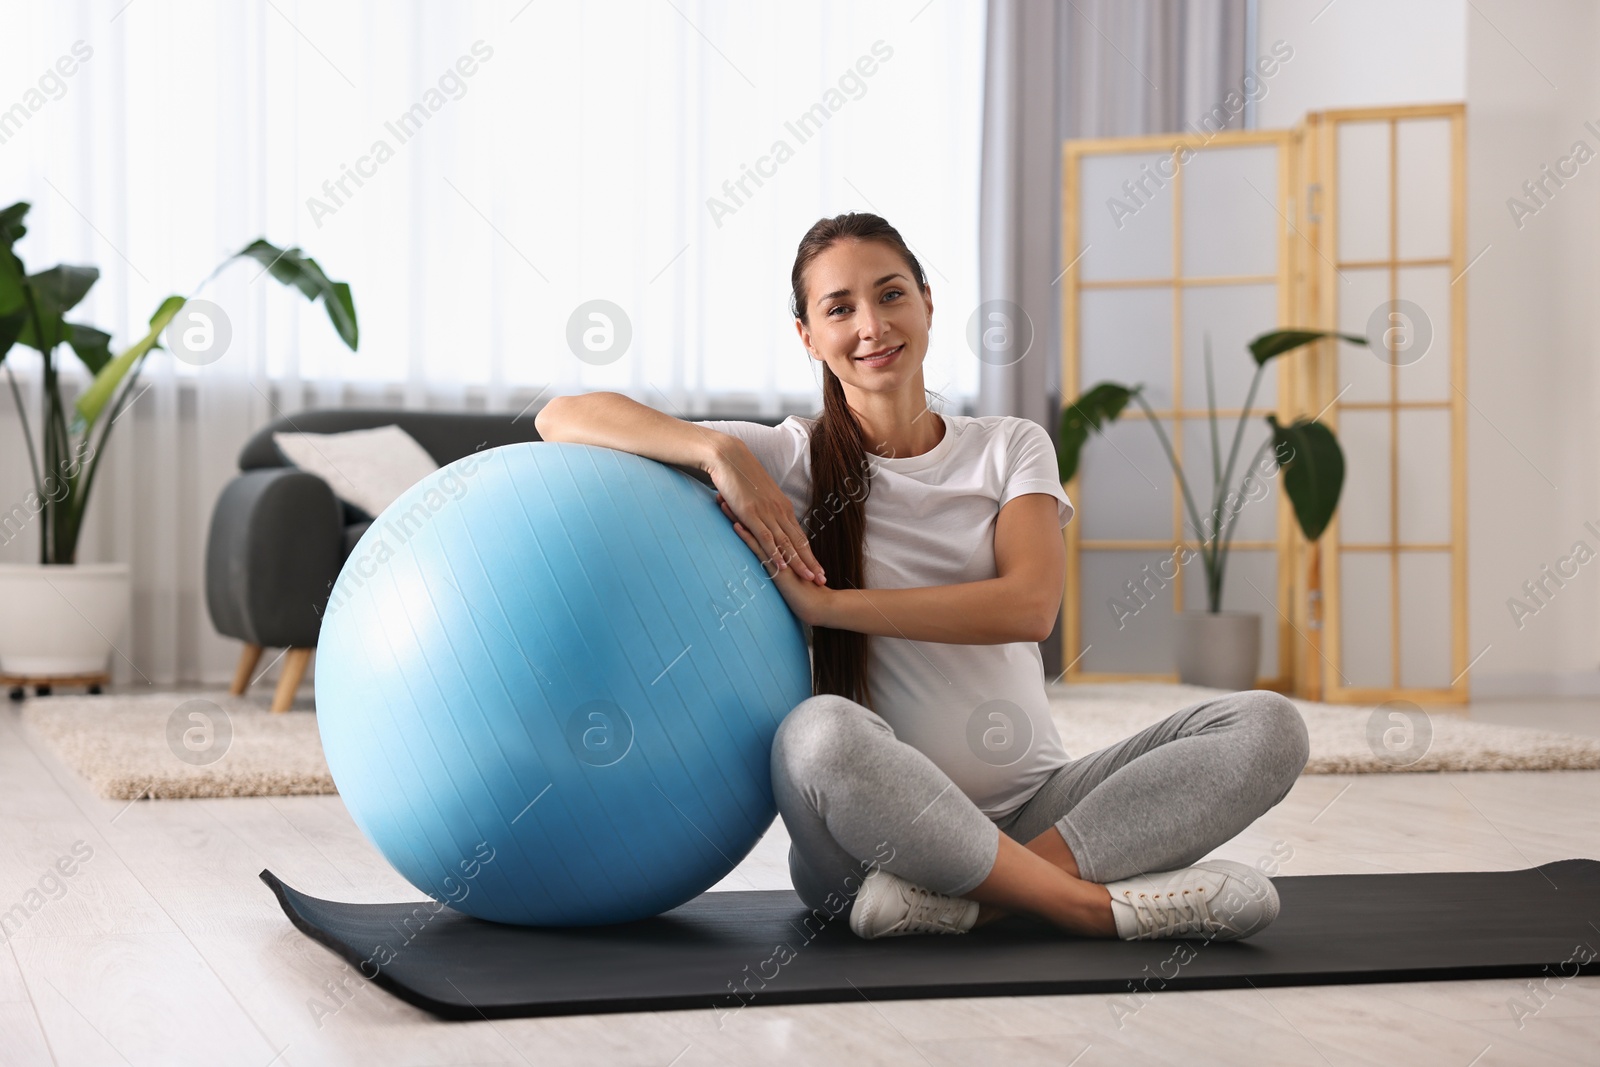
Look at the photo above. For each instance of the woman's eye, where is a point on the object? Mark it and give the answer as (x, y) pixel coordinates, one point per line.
(836, 307)
(895, 292)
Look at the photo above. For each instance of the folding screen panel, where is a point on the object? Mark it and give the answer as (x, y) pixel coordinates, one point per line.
(1352, 220)
(1172, 242)
(1392, 267)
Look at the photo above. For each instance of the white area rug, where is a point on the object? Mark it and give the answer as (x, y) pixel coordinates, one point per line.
(214, 745)
(1345, 738)
(154, 745)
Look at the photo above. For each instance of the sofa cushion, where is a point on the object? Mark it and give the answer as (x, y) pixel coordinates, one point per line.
(446, 435)
(366, 468)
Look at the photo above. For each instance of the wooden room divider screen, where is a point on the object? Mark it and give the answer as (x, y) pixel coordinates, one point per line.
(1352, 220)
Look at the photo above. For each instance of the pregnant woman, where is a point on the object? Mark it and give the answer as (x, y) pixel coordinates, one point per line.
(923, 785)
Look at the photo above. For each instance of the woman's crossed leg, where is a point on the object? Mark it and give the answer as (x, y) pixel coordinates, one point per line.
(856, 800)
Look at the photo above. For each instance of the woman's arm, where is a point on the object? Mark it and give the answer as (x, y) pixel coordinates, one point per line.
(1019, 604)
(612, 420)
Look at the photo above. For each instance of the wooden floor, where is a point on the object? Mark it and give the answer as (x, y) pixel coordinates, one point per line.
(165, 948)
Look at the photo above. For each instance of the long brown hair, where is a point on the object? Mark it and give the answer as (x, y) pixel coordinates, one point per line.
(841, 474)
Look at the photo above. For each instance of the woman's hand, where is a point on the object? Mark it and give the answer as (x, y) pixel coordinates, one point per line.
(808, 600)
(749, 496)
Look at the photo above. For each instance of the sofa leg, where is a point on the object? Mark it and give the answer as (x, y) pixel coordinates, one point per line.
(294, 668)
(249, 656)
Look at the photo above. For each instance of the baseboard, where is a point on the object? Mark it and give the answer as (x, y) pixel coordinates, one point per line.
(1536, 684)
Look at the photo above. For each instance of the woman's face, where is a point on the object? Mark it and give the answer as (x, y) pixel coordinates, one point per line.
(868, 321)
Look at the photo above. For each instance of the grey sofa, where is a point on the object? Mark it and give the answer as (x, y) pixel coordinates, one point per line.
(279, 536)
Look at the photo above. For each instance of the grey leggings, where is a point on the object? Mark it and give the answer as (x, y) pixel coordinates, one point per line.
(853, 796)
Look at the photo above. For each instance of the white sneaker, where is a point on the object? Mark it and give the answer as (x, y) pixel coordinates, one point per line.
(889, 906)
(1218, 900)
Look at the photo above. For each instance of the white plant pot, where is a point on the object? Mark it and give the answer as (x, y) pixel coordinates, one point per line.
(61, 618)
(1221, 649)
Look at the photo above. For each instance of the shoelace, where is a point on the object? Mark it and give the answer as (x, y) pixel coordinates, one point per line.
(929, 912)
(1164, 914)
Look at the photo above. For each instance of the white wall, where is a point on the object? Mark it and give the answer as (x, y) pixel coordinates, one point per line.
(1534, 423)
(1531, 86)
(1357, 53)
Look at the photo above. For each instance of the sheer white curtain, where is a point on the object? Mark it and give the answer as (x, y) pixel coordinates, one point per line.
(476, 172)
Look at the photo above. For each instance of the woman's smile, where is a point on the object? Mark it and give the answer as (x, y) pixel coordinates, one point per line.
(882, 358)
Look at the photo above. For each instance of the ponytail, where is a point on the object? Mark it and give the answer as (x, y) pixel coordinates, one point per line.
(839, 657)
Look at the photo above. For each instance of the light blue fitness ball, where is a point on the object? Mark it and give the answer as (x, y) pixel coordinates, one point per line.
(547, 683)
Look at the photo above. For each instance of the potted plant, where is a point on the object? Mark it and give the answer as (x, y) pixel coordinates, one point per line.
(62, 617)
(1214, 647)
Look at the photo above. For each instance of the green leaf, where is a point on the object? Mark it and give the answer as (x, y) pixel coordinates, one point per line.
(55, 330)
(1313, 474)
(11, 227)
(55, 292)
(13, 307)
(11, 285)
(63, 287)
(1098, 406)
(291, 267)
(167, 311)
(12, 274)
(10, 330)
(95, 398)
(1276, 342)
(93, 346)
(342, 313)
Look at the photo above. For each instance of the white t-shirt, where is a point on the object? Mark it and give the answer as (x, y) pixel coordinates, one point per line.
(979, 712)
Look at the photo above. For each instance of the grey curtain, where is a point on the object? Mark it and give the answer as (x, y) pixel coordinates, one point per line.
(1069, 69)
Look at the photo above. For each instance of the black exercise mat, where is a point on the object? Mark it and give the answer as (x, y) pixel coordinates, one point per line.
(724, 950)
